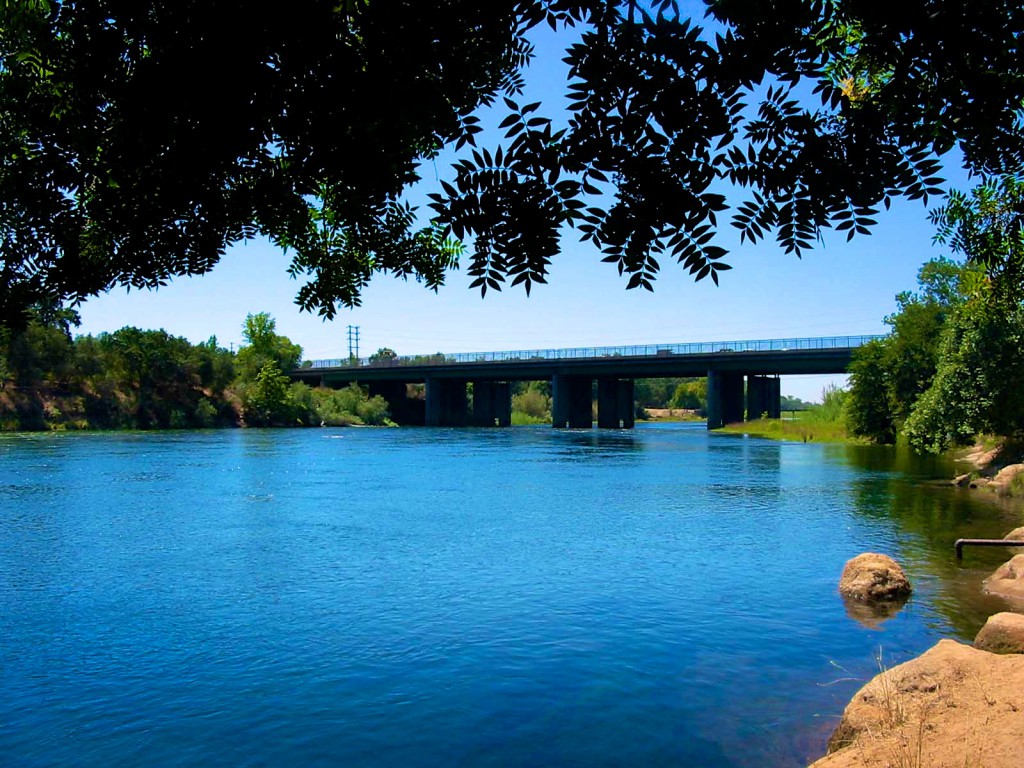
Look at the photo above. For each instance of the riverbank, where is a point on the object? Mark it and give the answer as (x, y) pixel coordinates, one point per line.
(801, 428)
(955, 705)
(683, 415)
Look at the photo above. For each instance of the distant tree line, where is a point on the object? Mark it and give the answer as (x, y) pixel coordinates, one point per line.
(149, 379)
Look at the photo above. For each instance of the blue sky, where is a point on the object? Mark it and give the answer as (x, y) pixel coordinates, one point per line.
(839, 288)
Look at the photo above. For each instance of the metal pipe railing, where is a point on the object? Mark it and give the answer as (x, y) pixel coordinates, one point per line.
(961, 543)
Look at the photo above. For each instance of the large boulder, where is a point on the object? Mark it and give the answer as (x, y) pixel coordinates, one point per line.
(1017, 534)
(950, 707)
(1005, 476)
(1002, 633)
(871, 577)
(1008, 579)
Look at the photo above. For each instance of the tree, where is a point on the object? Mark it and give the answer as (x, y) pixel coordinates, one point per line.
(115, 169)
(40, 353)
(988, 228)
(265, 346)
(979, 382)
(888, 376)
(868, 409)
(383, 356)
(6, 374)
(214, 365)
(979, 385)
(267, 402)
(691, 394)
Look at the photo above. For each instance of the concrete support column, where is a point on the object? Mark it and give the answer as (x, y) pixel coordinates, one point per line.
(725, 398)
(503, 403)
(627, 404)
(446, 403)
(483, 404)
(572, 402)
(757, 396)
(492, 404)
(615, 408)
(773, 397)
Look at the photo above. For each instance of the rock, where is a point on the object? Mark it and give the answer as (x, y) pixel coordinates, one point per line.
(1017, 534)
(1002, 633)
(1008, 579)
(981, 458)
(1004, 478)
(952, 706)
(961, 481)
(980, 482)
(1007, 473)
(874, 577)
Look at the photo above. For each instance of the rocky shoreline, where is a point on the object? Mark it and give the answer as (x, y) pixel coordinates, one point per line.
(956, 705)
(996, 469)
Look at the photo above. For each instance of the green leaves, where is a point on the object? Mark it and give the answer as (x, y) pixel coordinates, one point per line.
(987, 226)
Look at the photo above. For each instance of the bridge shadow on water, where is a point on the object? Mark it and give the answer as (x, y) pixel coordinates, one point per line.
(596, 445)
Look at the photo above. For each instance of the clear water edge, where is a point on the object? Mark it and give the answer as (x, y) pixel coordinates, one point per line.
(457, 597)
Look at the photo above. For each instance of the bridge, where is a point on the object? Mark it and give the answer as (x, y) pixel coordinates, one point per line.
(572, 372)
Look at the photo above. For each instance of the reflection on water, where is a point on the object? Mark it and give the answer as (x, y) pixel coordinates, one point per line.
(872, 614)
(411, 597)
(914, 494)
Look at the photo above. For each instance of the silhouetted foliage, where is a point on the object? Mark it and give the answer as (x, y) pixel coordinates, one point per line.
(139, 139)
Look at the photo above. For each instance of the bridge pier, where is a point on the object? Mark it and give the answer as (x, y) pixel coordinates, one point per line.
(725, 398)
(446, 402)
(757, 396)
(572, 402)
(764, 396)
(492, 404)
(402, 408)
(615, 409)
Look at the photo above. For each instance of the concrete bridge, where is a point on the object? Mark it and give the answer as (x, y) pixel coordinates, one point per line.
(572, 373)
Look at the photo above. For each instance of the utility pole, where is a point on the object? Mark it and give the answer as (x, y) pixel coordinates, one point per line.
(353, 343)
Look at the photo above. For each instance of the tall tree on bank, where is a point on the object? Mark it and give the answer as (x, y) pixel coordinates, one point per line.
(889, 375)
(953, 366)
(140, 138)
(979, 382)
(264, 346)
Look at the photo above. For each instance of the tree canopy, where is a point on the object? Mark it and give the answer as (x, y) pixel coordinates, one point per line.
(953, 366)
(140, 138)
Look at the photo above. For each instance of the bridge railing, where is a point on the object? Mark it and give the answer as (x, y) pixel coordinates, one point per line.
(592, 353)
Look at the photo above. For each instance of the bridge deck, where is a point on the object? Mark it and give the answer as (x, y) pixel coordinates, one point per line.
(767, 356)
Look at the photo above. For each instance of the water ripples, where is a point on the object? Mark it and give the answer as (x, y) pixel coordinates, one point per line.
(425, 597)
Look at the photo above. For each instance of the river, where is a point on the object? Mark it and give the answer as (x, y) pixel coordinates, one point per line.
(430, 597)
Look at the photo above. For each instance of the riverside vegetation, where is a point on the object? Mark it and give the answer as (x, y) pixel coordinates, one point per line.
(144, 379)
(51, 379)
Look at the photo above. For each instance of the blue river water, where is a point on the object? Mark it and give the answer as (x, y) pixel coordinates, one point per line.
(430, 597)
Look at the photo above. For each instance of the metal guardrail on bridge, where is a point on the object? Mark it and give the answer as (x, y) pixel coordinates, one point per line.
(582, 353)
